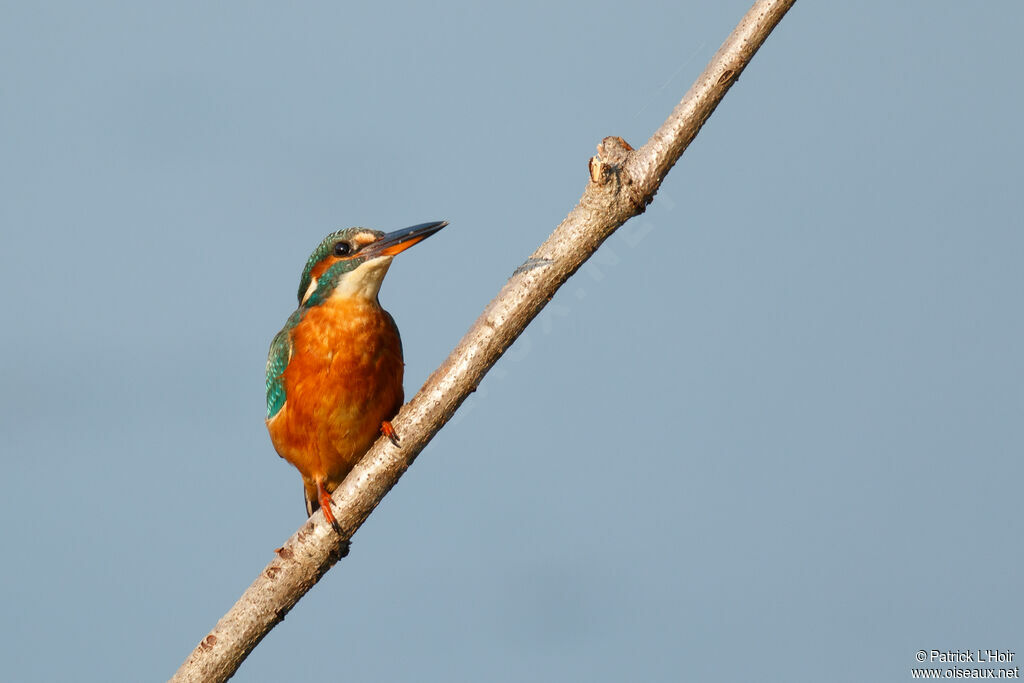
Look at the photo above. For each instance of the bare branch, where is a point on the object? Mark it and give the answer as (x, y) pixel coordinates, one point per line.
(622, 183)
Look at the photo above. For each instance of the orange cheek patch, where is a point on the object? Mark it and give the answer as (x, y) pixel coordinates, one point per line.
(321, 268)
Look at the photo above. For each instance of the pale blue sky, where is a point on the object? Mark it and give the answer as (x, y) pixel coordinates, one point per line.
(774, 435)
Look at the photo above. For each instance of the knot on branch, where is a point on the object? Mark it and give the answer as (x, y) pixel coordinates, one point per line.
(607, 166)
(609, 171)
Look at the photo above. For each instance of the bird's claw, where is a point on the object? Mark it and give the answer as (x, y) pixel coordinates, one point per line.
(325, 505)
(389, 431)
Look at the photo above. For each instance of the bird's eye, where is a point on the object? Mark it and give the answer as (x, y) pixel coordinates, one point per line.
(342, 248)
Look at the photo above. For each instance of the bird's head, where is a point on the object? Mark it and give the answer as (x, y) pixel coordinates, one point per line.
(353, 261)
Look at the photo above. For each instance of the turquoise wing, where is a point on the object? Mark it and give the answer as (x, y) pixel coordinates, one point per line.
(277, 361)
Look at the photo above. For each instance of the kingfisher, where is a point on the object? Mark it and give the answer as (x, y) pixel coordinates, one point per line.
(334, 371)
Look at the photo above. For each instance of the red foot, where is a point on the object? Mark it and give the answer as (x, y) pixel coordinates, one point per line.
(387, 430)
(325, 505)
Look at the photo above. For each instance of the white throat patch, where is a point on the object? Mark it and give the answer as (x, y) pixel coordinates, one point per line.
(364, 282)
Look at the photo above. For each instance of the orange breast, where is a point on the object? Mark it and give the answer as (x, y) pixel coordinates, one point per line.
(343, 379)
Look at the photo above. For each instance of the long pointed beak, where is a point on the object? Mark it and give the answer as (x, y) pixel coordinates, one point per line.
(400, 240)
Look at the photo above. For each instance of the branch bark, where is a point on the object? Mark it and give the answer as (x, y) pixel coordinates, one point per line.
(623, 181)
